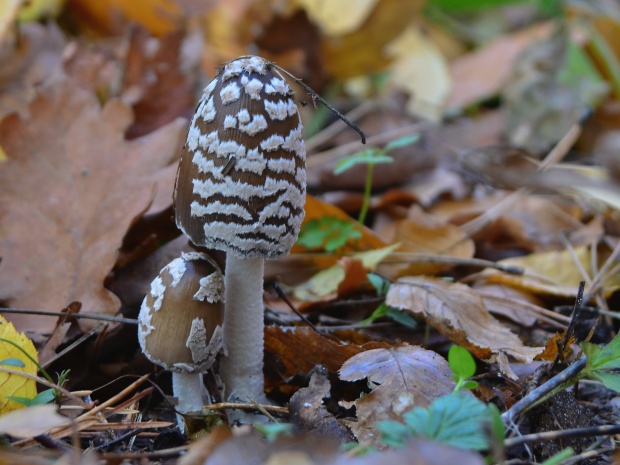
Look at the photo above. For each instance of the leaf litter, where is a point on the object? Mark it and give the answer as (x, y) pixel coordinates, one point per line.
(90, 133)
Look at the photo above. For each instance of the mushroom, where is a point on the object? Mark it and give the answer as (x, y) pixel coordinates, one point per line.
(180, 325)
(241, 188)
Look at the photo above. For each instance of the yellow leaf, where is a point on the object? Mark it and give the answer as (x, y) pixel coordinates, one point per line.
(34, 10)
(2, 155)
(12, 384)
(337, 16)
(421, 70)
(8, 14)
(553, 273)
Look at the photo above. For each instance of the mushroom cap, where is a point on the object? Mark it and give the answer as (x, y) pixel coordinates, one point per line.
(241, 183)
(180, 322)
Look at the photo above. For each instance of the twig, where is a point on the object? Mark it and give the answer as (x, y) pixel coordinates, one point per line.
(286, 300)
(605, 430)
(45, 382)
(172, 452)
(543, 390)
(246, 406)
(316, 97)
(571, 326)
(432, 258)
(114, 319)
(68, 349)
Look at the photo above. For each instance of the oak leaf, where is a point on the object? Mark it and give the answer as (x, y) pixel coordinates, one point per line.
(72, 186)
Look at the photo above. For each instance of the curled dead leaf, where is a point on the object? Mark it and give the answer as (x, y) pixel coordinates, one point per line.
(459, 313)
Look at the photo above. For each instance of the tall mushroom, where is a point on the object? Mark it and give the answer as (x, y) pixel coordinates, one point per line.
(241, 188)
(180, 324)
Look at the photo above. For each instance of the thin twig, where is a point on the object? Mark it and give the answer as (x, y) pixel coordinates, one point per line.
(316, 97)
(246, 406)
(46, 383)
(541, 391)
(68, 349)
(576, 314)
(114, 319)
(286, 300)
(605, 430)
(404, 257)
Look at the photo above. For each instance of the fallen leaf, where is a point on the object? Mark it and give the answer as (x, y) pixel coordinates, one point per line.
(421, 71)
(458, 312)
(470, 86)
(8, 14)
(72, 186)
(13, 384)
(352, 54)
(338, 17)
(425, 238)
(554, 273)
(299, 349)
(400, 378)
(309, 413)
(32, 421)
(341, 277)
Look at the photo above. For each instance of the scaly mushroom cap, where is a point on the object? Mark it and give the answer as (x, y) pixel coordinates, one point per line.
(180, 322)
(241, 183)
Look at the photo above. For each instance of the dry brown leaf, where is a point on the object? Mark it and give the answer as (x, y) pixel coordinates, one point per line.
(440, 239)
(458, 312)
(299, 349)
(484, 72)
(401, 378)
(71, 188)
(154, 83)
(32, 421)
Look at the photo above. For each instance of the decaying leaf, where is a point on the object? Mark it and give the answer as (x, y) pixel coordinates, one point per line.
(458, 312)
(400, 378)
(72, 186)
(299, 349)
(13, 384)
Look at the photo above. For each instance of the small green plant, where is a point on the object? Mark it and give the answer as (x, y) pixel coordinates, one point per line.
(457, 419)
(463, 367)
(601, 363)
(371, 157)
(328, 233)
(382, 285)
(44, 397)
(273, 431)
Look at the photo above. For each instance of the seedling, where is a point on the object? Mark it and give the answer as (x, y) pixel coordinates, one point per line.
(371, 157)
(463, 367)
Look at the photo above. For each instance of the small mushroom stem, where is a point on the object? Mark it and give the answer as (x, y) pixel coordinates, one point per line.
(189, 390)
(241, 368)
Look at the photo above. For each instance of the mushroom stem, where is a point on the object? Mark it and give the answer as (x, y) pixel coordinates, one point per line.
(190, 394)
(241, 368)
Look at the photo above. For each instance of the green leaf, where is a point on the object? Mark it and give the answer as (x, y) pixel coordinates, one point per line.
(604, 358)
(461, 362)
(609, 379)
(21, 400)
(13, 362)
(380, 312)
(272, 431)
(401, 317)
(460, 6)
(365, 157)
(470, 384)
(402, 142)
(328, 232)
(44, 397)
(457, 419)
(380, 283)
(393, 433)
(560, 457)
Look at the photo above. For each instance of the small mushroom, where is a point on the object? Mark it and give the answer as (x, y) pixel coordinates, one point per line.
(180, 324)
(241, 188)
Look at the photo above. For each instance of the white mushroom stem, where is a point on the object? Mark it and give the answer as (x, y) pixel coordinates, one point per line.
(189, 390)
(241, 368)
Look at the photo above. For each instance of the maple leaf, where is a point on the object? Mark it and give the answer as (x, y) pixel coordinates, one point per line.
(71, 188)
